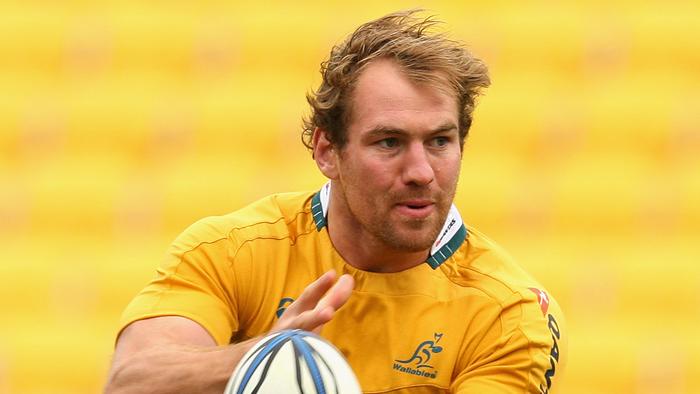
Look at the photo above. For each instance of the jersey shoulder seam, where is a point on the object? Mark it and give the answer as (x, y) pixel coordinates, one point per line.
(228, 234)
(482, 290)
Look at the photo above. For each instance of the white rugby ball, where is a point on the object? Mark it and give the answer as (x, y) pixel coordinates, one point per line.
(293, 361)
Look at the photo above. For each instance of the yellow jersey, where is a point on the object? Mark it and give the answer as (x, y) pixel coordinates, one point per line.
(469, 320)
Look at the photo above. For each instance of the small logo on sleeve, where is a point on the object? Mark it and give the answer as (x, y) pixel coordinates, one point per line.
(542, 299)
(419, 362)
(282, 306)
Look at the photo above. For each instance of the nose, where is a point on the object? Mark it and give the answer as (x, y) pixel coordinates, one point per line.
(417, 167)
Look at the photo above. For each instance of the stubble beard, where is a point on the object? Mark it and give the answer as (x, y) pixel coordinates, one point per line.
(412, 235)
(403, 235)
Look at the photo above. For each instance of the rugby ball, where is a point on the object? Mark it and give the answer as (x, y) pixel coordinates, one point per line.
(293, 361)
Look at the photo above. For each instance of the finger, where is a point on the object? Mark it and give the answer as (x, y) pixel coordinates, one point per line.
(312, 293)
(310, 320)
(338, 294)
(313, 320)
(335, 298)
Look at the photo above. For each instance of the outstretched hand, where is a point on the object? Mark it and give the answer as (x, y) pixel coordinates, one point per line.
(317, 304)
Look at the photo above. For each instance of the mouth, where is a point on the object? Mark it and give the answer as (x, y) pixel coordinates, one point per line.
(416, 209)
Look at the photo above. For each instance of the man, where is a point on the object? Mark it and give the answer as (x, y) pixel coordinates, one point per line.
(424, 304)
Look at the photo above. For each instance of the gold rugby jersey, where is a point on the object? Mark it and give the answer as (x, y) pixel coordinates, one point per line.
(469, 320)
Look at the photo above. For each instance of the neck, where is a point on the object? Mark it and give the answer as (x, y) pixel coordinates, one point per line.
(362, 255)
(362, 250)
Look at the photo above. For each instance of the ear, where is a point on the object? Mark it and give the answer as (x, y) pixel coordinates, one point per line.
(325, 154)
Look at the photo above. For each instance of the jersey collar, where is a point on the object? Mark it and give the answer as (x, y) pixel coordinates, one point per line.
(452, 234)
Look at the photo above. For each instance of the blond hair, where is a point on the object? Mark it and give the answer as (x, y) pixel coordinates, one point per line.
(424, 57)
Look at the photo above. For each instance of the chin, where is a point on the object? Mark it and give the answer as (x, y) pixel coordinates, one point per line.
(411, 241)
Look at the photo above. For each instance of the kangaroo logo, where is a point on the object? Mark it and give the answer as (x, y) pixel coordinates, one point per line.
(421, 356)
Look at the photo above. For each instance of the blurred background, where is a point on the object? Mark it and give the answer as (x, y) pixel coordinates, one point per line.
(122, 122)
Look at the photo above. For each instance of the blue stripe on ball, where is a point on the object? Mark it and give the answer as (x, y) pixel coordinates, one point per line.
(263, 352)
(306, 352)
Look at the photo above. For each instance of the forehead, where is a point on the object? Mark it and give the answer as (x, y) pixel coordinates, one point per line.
(385, 96)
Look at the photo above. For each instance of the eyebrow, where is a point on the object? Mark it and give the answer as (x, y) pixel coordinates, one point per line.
(380, 130)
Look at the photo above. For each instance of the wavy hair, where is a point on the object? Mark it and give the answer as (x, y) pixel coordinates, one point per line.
(424, 56)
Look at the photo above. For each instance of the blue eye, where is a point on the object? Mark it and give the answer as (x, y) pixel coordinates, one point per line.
(389, 143)
(441, 141)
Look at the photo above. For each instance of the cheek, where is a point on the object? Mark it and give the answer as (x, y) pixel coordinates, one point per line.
(372, 173)
(362, 178)
(448, 172)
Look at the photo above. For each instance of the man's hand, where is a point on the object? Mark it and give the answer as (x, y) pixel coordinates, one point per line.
(172, 354)
(317, 304)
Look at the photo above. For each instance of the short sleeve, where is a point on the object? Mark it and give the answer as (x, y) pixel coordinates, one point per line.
(194, 281)
(522, 351)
